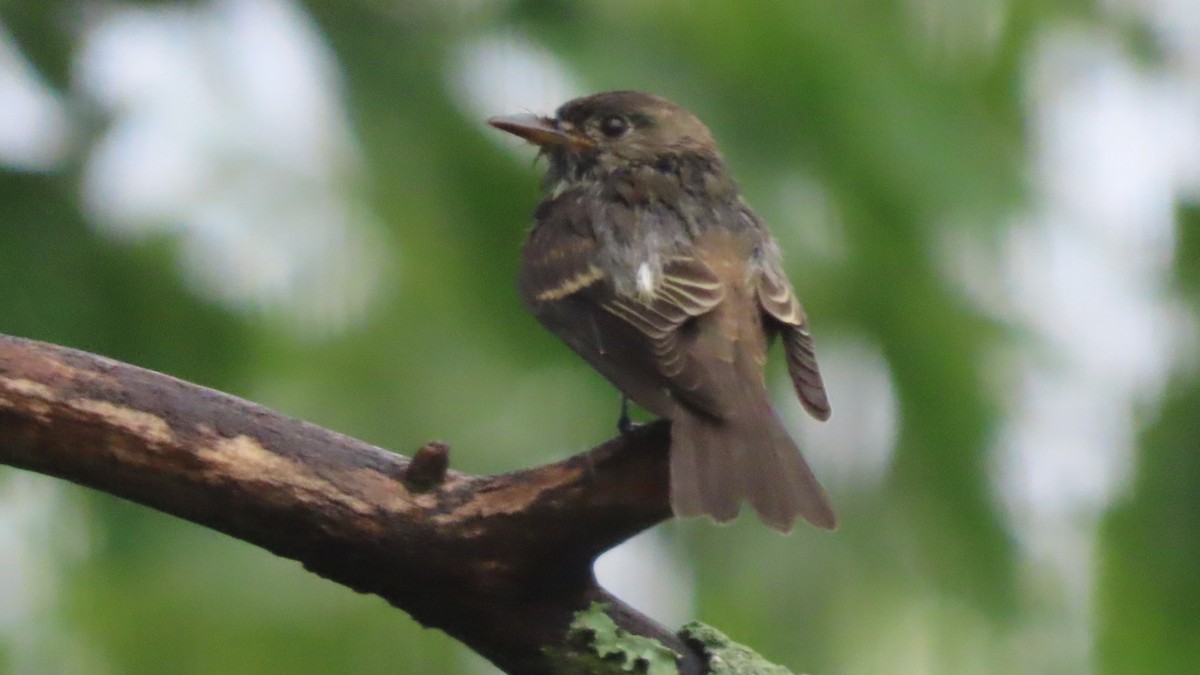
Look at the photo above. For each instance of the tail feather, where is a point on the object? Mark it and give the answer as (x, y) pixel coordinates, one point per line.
(782, 485)
(704, 478)
(716, 464)
(806, 376)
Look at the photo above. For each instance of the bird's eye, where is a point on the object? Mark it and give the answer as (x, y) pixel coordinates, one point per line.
(613, 126)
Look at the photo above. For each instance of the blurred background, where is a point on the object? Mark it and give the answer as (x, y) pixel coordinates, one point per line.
(989, 207)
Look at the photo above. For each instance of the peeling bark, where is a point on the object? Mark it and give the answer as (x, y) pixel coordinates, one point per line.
(499, 562)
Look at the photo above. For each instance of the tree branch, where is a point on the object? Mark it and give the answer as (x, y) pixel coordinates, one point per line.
(501, 563)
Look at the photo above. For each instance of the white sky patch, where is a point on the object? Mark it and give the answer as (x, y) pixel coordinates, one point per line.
(645, 572)
(856, 445)
(501, 74)
(228, 132)
(1116, 145)
(34, 559)
(1116, 148)
(34, 128)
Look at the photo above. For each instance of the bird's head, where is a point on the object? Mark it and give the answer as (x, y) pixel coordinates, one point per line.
(610, 131)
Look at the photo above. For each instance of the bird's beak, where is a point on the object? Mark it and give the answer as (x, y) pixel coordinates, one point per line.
(543, 132)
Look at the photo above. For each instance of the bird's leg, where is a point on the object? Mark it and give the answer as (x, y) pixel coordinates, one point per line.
(624, 424)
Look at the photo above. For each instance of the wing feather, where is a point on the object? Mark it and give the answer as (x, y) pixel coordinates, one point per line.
(553, 270)
(780, 303)
(687, 289)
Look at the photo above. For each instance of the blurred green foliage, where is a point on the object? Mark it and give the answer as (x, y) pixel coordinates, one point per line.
(1150, 584)
(911, 128)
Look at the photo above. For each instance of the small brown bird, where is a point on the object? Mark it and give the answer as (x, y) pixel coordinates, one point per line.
(646, 260)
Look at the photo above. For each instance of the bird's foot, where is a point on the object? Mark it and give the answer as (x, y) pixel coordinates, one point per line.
(624, 424)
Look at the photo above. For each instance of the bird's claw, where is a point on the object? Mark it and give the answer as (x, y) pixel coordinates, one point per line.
(624, 424)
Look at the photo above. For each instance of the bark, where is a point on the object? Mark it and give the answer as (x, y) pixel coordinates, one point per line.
(501, 563)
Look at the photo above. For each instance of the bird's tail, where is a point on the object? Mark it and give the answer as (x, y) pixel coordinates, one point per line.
(717, 463)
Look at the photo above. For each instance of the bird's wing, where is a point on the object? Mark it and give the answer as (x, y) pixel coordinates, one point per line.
(688, 289)
(557, 267)
(779, 302)
(559, 278)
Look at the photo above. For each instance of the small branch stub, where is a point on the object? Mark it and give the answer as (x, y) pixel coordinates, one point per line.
(428, 466)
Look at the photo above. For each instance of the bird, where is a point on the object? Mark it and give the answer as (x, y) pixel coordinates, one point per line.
(647, 261)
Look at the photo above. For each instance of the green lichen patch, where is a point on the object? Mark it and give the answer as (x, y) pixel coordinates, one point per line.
(726, 657)
(595, 644)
